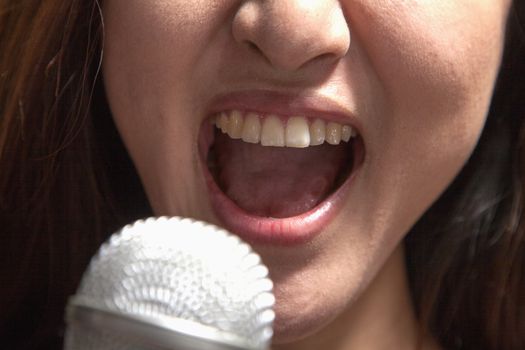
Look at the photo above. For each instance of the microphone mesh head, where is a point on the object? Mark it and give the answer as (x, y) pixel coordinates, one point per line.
(174, 268)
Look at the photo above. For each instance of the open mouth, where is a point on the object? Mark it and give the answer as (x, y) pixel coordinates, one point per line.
(277, 178)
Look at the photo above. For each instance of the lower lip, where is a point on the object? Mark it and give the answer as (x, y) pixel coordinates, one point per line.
(294, 230)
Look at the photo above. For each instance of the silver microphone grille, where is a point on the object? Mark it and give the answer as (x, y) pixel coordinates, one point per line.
(172, 283)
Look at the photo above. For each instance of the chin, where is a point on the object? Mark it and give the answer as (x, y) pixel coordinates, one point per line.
(301, 316)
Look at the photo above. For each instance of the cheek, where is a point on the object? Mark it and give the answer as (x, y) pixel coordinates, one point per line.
(152, 54)
(436, 63)
(429, 38)
(433, 54)
(150, 50)
(150, 45)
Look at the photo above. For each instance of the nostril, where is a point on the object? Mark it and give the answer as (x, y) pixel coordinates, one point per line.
(253, 47)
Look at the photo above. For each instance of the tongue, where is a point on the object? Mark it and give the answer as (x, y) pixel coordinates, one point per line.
(276, 181)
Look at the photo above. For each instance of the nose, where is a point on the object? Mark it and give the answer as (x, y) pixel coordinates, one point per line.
(291, 33)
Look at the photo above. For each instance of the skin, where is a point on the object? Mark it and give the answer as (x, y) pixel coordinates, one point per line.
(418, 77)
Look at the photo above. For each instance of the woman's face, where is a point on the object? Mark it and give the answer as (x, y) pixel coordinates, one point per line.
(412, 78)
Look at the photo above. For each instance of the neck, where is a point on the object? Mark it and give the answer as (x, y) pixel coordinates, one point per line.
(382, 317)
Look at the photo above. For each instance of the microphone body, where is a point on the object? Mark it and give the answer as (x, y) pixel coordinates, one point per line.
(172, 283)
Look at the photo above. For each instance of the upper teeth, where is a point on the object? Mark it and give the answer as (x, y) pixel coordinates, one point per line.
(273, 130)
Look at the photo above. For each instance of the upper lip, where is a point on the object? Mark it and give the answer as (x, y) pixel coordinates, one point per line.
(266, 102)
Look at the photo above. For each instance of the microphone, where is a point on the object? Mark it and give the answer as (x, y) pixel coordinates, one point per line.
(172, 283)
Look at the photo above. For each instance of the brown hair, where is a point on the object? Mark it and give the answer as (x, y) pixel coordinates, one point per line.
(66, 182)
(59, 155)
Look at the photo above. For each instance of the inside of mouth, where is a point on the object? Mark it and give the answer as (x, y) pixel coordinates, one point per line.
(278, 182)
